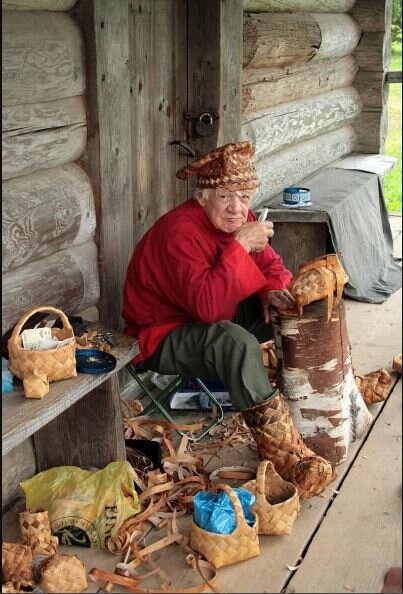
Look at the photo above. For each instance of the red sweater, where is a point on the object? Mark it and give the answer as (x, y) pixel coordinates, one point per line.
(185, 270)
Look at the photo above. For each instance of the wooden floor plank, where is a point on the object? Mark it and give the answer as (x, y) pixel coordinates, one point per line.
(360, 537)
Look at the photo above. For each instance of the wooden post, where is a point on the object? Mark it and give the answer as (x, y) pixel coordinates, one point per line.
(89, 433)
(214, 67)
(317, 377)
(373, 56)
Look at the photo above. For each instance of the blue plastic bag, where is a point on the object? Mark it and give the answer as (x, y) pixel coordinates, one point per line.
(6, 377)
(214, 511)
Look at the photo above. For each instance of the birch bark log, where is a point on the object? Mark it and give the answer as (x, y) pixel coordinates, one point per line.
(317, 377)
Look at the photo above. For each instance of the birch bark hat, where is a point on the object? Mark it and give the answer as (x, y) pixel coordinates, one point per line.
(229, 166)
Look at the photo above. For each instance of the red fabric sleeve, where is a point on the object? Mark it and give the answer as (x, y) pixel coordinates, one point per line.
(210, 287)
(271, 265)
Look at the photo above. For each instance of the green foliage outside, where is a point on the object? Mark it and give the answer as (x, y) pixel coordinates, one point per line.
(393, 145)
(397, 20)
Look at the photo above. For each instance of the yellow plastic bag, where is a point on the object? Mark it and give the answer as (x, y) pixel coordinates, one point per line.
(85, 507)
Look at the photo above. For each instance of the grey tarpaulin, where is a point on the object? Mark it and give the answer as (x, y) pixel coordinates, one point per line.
(353, 205)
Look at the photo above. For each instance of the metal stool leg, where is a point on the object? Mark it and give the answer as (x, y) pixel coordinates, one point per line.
(158, 401)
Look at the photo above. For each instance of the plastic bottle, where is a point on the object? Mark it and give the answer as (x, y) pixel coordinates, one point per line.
(6, 377)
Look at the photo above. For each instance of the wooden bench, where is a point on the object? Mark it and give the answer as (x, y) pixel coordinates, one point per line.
(78, 422)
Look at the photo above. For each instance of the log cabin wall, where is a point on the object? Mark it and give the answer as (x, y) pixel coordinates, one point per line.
(309, 85)
(49, 255)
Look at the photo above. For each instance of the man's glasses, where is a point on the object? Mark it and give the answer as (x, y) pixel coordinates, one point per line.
(228, 197)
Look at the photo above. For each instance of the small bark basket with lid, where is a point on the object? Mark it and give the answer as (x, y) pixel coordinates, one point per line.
(277, 501)
(57, 364)
(226, 549)
(63, 573)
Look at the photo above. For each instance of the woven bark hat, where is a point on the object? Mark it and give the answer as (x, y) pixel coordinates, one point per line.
(229, 166)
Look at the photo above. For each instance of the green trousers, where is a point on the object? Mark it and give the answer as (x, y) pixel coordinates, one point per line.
(227, 351)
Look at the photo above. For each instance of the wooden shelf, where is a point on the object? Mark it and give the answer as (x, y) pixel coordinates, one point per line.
(22, 417)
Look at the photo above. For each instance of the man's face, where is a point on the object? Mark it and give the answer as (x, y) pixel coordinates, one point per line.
(226, 210)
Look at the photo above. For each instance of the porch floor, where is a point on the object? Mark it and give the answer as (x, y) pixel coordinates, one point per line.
(344, 540)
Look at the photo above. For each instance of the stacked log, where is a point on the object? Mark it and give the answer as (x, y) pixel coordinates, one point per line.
(46, 212)
(297, 98)
(297, 5)
(279, 40)
(49, 256)
(38, 4)
(266, 87)
(289, 166)
(373, 57)
(67, 278)
(290, 123)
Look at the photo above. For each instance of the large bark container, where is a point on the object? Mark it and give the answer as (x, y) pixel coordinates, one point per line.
(315, 375)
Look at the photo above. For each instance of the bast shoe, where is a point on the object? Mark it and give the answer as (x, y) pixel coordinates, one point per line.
(278, 440)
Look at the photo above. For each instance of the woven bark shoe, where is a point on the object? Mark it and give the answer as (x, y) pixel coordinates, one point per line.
(279, 441)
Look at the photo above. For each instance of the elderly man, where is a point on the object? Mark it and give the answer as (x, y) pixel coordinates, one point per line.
(197, 296)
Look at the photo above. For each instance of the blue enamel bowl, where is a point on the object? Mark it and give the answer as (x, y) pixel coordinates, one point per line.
(94, 361)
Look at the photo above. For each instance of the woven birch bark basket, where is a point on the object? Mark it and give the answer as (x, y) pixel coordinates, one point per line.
(56, 364)
(16, 565)
(225, 549)
(316, 376)
(63, 573)
(36, 532)
(277, 501)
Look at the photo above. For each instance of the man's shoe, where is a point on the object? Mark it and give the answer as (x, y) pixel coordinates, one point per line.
(279, 441)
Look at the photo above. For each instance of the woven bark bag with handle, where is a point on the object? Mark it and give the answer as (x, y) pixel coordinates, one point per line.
(63, 573)
(56, 364)
(319, 279)
(277, 501)
(226, 549)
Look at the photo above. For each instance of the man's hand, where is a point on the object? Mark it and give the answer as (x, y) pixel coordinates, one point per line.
(253, 236)
(280, 299)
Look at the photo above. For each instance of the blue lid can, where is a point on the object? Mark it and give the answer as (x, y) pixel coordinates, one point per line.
(296, 195)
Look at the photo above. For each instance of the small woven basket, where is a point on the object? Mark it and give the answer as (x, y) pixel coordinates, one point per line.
(17, 565)
(277, 501)
(36, 532)
(63, 573)
(374, 386)
(397, 363)
(319, 279)
(57, 364)
(225, 549)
